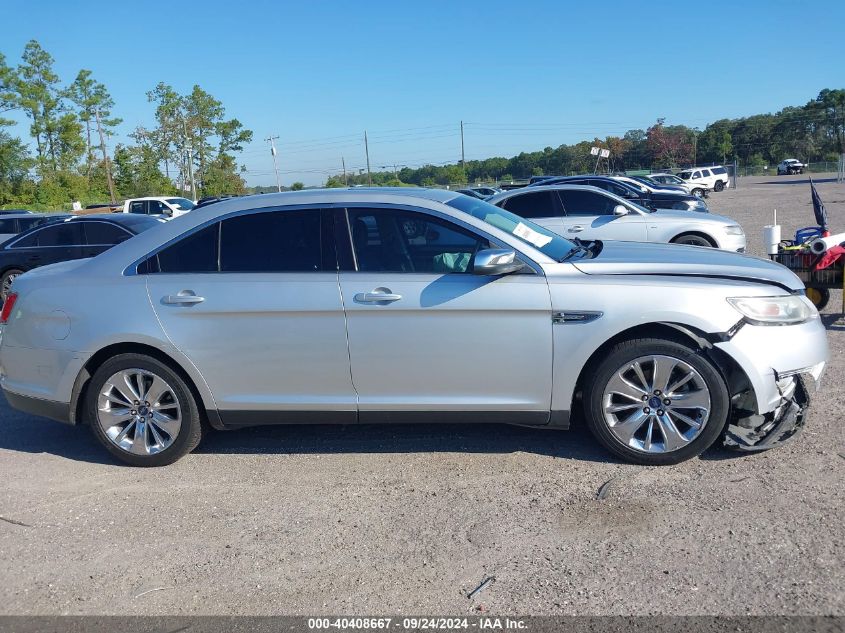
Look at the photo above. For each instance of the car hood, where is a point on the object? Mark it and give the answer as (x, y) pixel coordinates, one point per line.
(689, 216)
(675, 260)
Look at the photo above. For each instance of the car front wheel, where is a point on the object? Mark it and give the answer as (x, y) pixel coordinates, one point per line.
(655, 401)
(691, 239)
(142, 411)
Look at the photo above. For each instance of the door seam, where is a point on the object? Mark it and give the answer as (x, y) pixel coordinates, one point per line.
(348, 349)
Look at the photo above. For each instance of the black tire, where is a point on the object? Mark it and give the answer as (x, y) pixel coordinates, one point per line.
(625, 352)
(691, 239)
(819, 297)
(190, 431)
(719, 186)
(698, 193)
(4, 281)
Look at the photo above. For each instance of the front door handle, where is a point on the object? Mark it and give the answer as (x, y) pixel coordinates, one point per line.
(576, 229)
(183, 298)
(379, 295)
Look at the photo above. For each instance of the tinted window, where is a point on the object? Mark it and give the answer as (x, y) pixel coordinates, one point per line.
(156, 207)
(137, 207)
(279, 241)
(719, 170)
(181, 203)
(196, 253)
(64, 234)
(103, 233)
(7, 226)
(705, 173)
(586, 203)
(401, 241)
(533, 205)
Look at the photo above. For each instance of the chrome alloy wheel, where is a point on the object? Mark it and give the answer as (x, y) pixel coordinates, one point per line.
(6, 288)
(656, 404)
(139, 412)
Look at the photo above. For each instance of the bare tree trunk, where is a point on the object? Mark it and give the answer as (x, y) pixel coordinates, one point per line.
(105, 157)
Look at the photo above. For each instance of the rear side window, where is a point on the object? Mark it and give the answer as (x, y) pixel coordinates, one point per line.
(7, 226)
(64, 234)
(719, 171)
(137, 207)
(196, 253)
(277, 241)
(705, 173)
(533, 205)
(586, 203)
(104, 234)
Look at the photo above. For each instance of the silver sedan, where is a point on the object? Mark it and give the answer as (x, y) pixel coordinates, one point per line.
(361, 306)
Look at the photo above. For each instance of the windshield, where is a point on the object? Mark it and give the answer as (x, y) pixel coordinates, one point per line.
(549, 243)
(183, 204)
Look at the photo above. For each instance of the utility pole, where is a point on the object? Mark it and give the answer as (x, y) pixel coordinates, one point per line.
(367, 150)
(463, 161)
(345, 178)
(272, 138)
(189, 149)
(105, 156)
(695, 148)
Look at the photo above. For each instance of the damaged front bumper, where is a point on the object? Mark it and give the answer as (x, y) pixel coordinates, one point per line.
(748, 431)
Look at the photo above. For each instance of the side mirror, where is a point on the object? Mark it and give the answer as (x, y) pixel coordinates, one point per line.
(496, 261)
(620, 209)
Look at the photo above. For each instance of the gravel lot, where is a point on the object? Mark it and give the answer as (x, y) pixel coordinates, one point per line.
(410, 519)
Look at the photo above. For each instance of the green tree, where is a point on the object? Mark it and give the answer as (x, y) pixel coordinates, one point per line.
(297, 186)
(92, 100)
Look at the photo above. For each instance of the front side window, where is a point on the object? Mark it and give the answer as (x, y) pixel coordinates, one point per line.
(533, 205)
(277, 241)
(576, 202)
(696, 175)
(195, 253)
(104, 234)
(391, 240)
(7, 226)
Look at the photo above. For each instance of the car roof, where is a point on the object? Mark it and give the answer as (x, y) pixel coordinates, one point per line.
(131, 221)
(525, 190)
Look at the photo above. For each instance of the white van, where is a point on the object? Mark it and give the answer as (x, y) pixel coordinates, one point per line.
(715, 178)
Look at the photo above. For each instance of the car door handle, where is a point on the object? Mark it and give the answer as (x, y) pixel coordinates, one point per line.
(379, 295)
(184, 298)
(576, 229)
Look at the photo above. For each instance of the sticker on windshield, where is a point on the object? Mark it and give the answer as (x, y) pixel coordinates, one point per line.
(531, 236)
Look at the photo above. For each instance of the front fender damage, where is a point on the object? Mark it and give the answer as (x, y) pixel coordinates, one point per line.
(750, 431)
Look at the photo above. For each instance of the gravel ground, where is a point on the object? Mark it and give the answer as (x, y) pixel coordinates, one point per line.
(410, 519)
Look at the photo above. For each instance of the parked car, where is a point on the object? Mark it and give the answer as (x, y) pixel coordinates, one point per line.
(14, 223)
(790, 166)
(486, 191)
(74, 237)
(654, 187)
(13, 211)
(714, 178)
(671, 179)
(591, 213)
(471, 193)
(635, 193)
(398, 305)
(158, 205)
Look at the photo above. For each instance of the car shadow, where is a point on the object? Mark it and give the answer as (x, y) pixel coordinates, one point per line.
(802, 181)
(833, 322)
(30, 434)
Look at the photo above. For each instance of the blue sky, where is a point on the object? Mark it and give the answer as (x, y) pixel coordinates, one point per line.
(521, 75)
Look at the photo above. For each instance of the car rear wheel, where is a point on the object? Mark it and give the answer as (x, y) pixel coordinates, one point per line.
(6, 282)
(692, 239)
(142, 411)
(655, 401)
(719, 186)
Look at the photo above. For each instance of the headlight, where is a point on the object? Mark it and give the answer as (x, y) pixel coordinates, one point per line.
(783, 310)
(734, 229)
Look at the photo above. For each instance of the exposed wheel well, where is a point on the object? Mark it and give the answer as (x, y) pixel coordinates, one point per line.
(709, 239)
(80, 387)
(735, 378)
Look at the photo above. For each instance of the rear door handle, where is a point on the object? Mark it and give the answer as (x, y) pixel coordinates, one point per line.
(183, 298)
(379, 295)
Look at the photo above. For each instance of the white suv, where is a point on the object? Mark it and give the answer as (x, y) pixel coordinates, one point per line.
(715, 178)
(790, 166)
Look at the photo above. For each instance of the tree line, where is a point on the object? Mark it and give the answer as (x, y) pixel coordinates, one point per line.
(812, 132)
(192, 141)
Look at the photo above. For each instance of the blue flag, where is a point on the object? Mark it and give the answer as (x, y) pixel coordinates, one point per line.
(818, 207)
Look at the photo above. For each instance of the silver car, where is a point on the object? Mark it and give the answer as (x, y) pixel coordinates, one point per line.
(390, 305)
(591, 213)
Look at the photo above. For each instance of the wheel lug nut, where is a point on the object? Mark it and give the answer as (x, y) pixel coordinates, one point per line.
(137, 403)
(657, 392)
(660, 412)
(646, 410)
(133, 412)
(645, 398)
(667, 402)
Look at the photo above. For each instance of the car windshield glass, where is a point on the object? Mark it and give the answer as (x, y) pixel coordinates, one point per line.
(182, 204)
(550, 244)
